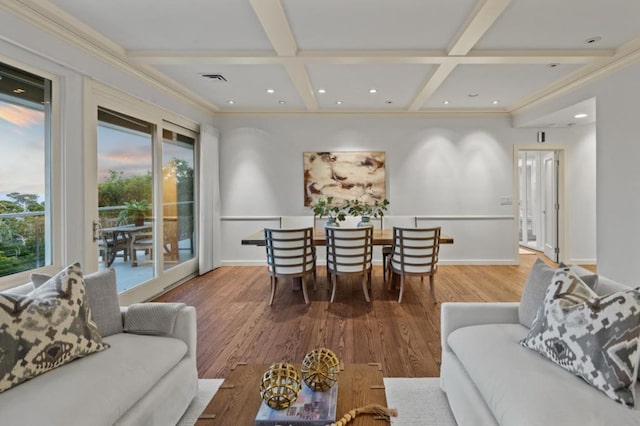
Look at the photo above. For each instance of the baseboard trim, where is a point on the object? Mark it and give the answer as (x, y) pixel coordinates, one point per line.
(487, 262)
(582, 261)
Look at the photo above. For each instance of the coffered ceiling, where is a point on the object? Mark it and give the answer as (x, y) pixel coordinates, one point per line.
(420, 56)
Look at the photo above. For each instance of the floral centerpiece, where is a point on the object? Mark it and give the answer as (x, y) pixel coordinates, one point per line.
(324, 207)
(366, 211)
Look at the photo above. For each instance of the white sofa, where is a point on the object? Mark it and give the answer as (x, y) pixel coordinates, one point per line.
(142, 379)
(489, 379)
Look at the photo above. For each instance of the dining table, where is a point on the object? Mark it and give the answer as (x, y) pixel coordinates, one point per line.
(113, 234)
(381, 237)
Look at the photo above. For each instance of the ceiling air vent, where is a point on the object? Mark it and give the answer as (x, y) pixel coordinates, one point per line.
(218, 77)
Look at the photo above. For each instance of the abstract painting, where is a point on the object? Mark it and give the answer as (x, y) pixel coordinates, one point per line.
(344, 175)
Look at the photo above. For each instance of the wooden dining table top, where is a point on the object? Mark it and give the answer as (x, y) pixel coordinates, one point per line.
(381, 237)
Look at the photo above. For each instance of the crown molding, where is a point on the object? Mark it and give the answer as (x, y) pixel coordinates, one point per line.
(431, 113)
(624, 55)
(58, 23)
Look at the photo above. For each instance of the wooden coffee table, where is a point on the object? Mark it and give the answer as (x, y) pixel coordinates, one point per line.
(237, 401)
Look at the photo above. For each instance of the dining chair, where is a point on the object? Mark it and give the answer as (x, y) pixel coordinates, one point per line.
(290, 253)
(141, 241)
(390, 222)
(111, 243)
(349, 252)
(414, 253)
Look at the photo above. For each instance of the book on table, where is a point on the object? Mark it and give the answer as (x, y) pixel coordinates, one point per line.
(310, 409)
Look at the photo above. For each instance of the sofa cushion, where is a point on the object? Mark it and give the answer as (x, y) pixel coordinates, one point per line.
(594, 337)
(96, 390)
(46, 328)
(536, 286)
(523, 389)
(102, 292)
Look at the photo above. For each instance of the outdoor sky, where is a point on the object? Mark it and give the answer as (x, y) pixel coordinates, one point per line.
(22, 146)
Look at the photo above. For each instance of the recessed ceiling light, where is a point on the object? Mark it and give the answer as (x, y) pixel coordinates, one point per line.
(230, 102)
(373, 91)
(473, 95)
(271, 91)
(19, 91)
(322, 91)
(445, 102)
(388, 102)
(593, 40)
(339, 102)
(553, 65)
(582, 115)
(282, 102)
(495, 102)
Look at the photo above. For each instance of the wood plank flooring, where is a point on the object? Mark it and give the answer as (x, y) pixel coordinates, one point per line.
(236, 324)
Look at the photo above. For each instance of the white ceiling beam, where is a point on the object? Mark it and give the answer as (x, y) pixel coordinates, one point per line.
(480, 20)
(433, 83)
(300, 79)
(370, 57)
(274, 20)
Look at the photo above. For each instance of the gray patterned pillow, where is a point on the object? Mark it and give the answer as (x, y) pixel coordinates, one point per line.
(594, 337)
(102, 294)
(46, 328)
(535, 289)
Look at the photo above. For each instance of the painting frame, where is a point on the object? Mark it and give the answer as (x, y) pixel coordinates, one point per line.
(344, 175)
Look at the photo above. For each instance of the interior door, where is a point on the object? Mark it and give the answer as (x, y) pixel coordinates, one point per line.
(551, 206)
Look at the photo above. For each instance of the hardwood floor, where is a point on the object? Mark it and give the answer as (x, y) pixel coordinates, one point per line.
(235, 322)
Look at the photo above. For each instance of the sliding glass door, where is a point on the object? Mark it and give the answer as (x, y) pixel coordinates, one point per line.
(142, 204)
(125, 197)
(178, 197)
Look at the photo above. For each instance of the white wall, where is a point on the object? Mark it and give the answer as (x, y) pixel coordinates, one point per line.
(618, 174)
(451, 171)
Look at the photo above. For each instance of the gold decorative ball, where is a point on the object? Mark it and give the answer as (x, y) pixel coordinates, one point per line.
(320, 369)
(280, 385)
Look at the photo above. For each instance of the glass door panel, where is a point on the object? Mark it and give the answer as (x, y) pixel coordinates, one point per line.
(178, 198)
(25, 208)
(125, 197)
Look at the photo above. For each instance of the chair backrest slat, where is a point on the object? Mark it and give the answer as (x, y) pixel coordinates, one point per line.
(349, 250)
(415, 250)
(289, 251)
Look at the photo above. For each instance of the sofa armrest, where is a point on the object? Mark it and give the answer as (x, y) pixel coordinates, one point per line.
(184, 327)
(456, 315)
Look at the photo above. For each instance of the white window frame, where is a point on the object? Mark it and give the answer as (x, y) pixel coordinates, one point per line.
(53, 194)
(100, 95)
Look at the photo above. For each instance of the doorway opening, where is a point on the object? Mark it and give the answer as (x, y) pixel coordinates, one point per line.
(539, 193)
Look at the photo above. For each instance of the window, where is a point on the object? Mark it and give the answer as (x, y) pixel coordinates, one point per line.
(25, 210)
(125, 196)
(178, 203)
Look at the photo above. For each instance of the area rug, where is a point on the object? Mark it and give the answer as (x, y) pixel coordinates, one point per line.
(206, 389)
(419, 401)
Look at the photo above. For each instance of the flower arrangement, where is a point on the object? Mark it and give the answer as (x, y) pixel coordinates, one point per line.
(324, 207)
(358, 208)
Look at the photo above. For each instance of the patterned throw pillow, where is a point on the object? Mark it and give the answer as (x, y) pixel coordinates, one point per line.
(46, 328)
(594, 337)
